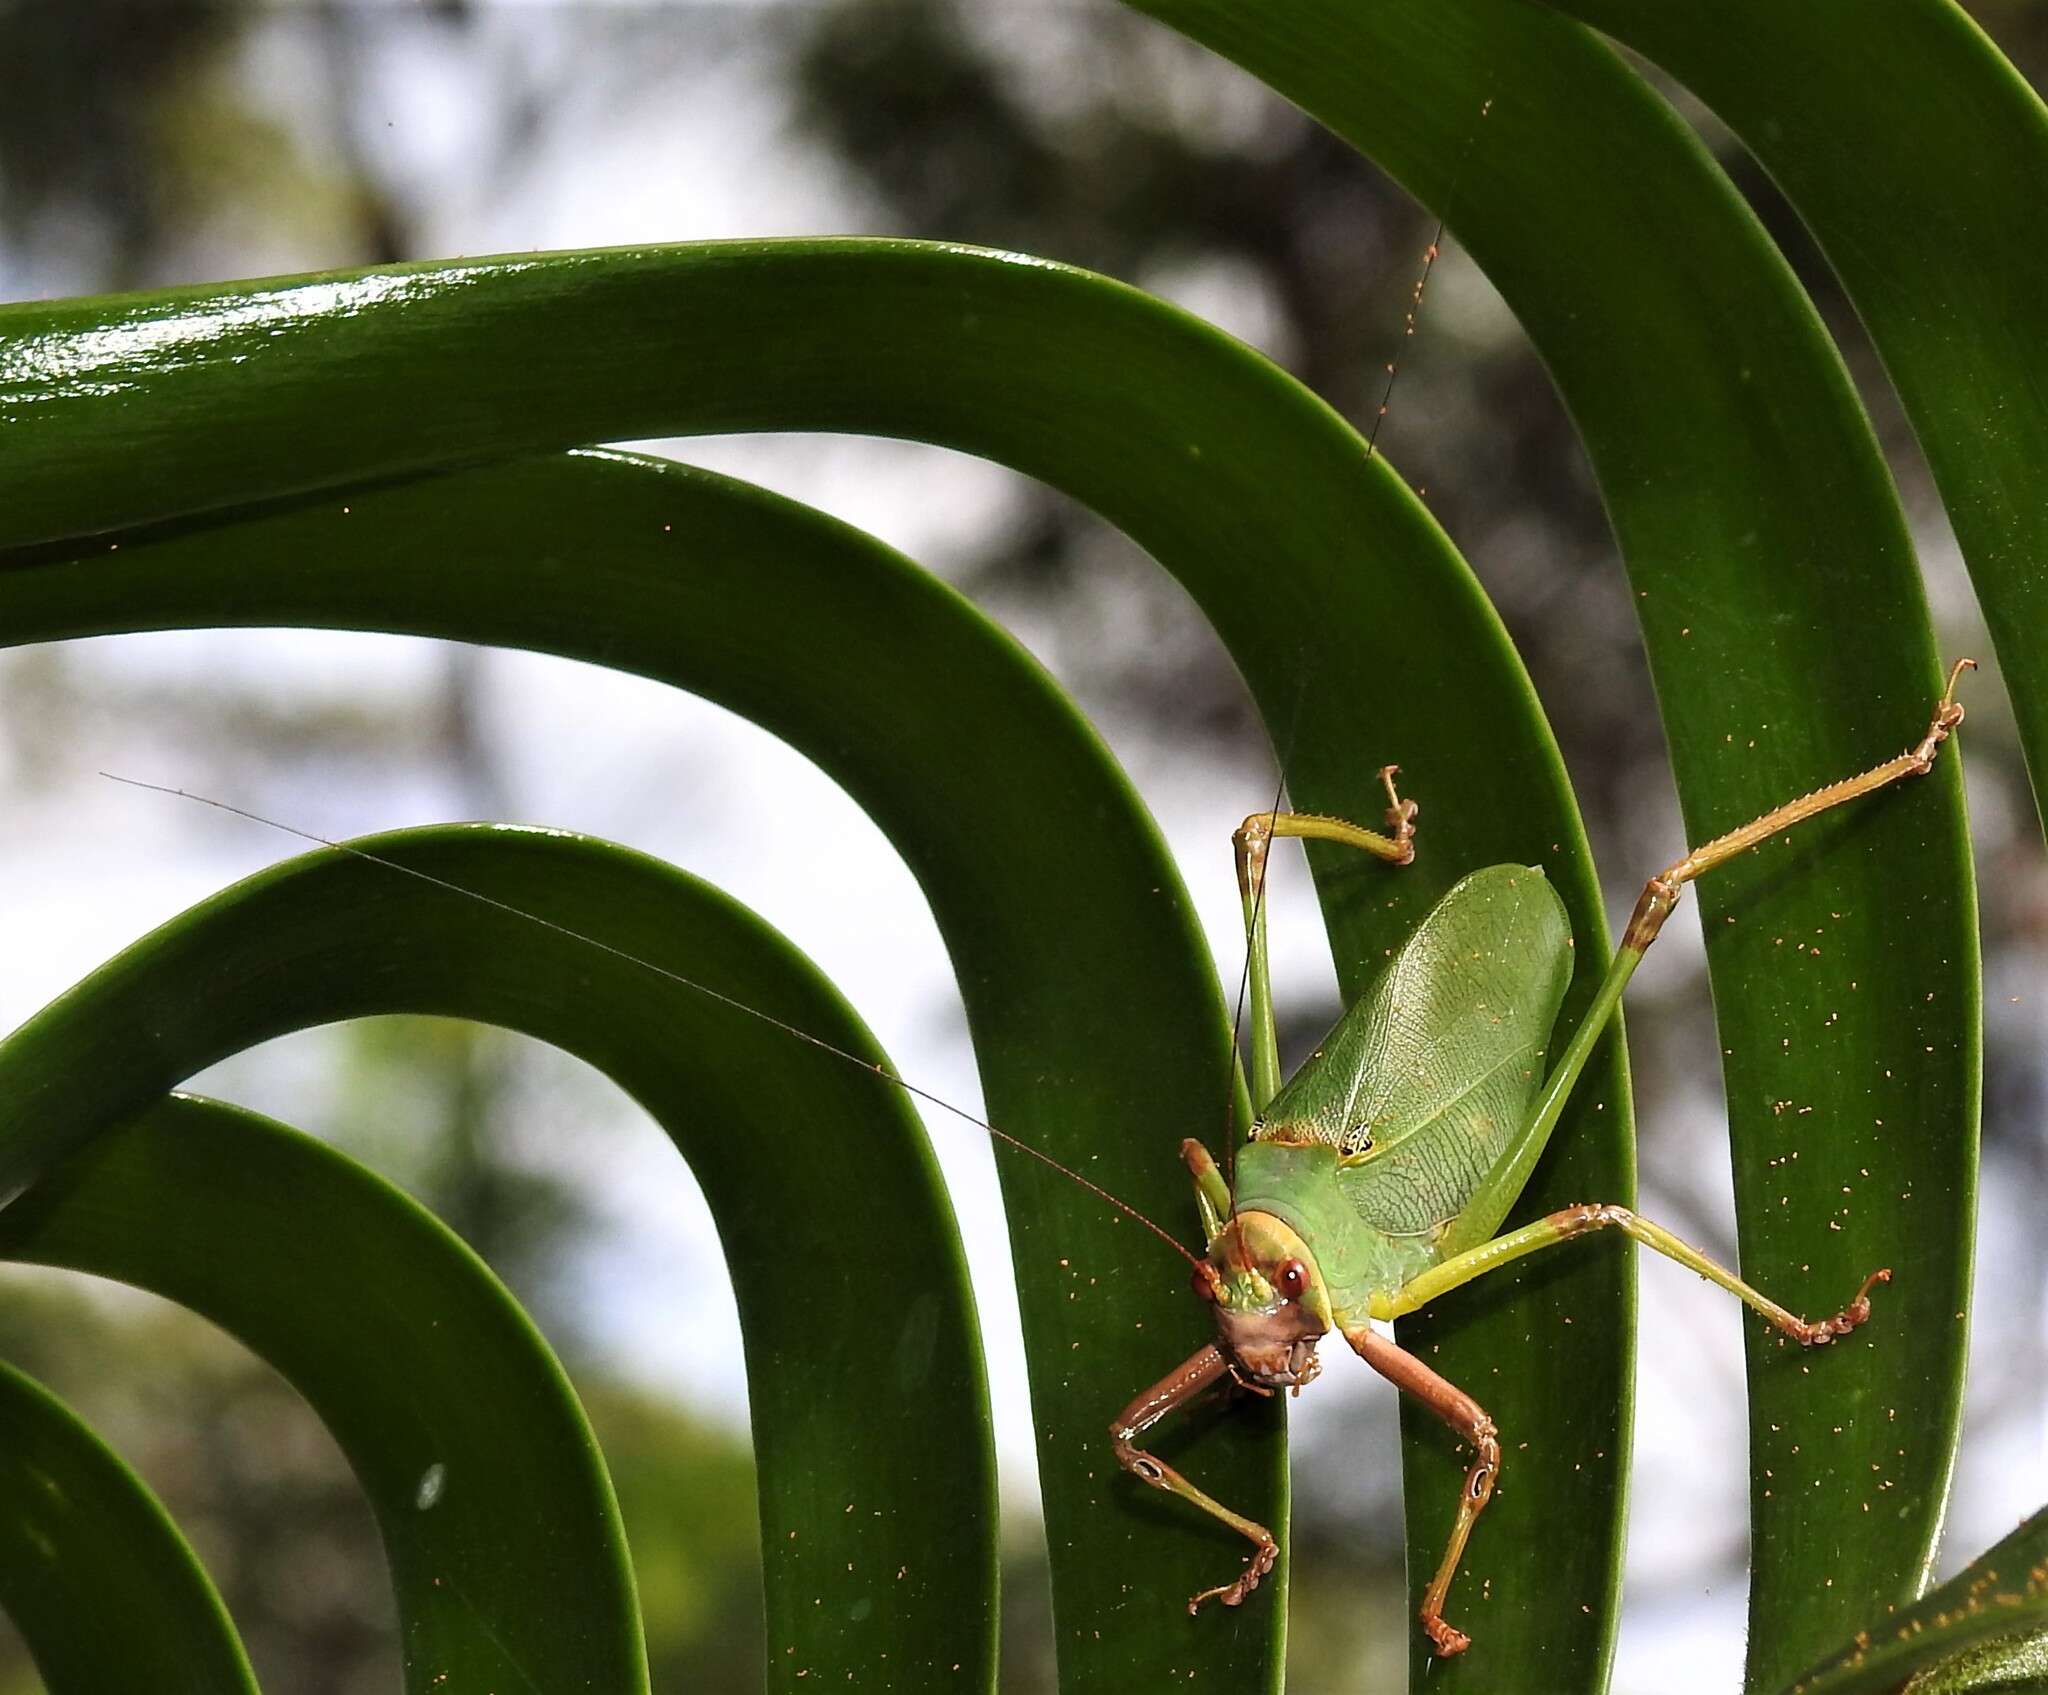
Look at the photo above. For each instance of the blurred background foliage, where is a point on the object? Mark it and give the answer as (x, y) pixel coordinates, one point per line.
(145, 146)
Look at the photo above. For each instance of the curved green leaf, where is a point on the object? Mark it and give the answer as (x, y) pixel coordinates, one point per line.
(2006, 1665)
(105, 1592)
(1788, 636)
(1933, 228)
(866, 1390)
(897, 687)
(1985, 1629)
(485, 1480)
(1340, 600)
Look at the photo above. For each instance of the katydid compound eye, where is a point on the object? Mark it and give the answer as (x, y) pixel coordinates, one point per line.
(1204, 1281)
(1292, 1279)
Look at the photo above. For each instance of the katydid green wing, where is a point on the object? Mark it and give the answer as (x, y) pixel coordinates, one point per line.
(1425, 1080)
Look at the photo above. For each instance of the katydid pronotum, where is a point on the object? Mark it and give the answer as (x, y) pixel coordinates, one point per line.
(1375, 1179)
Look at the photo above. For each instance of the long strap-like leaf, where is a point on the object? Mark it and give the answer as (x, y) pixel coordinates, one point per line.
(104, 1591)
(465, 1435)
(1985, 1629)
(863, 1368)
(1788, 636)
(1918, 156)
(1354, 622)
(1092, 1002)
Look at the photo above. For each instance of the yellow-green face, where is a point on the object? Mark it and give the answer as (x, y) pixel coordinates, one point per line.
(1270, 1304)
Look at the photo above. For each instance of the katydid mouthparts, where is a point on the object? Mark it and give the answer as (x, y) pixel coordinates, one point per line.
(1374, 1181)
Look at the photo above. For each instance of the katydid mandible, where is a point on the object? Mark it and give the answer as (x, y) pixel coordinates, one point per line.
(1375, 1179)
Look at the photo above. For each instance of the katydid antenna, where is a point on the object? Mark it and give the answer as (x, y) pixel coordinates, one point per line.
(676, 977)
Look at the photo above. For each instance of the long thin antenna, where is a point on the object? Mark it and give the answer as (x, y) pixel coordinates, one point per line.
(1410, 323)
(676, 977)
(1430, 255)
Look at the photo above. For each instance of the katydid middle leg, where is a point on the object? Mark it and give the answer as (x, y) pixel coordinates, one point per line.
(1465, 1416)
(1562, 1226)
(1252, 839)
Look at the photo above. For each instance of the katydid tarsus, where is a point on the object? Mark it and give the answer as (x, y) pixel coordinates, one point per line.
(1374, 1180)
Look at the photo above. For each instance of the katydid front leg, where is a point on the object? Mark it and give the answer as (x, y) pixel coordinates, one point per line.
(1200, 1371)
(1468, 1419)
(1180, 1386)
(1174, 1390)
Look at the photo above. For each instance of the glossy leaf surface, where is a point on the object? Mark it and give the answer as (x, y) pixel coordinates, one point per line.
(456, 1419)
(103, 1589)
(899, 689)
(412, 1354)
(1788, 638)
(1315, 565)
(1933, 229)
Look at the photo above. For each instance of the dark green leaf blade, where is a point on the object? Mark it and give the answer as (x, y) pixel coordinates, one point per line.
(1788, 637)
(104, 1590)
(2005, 1665)
(1933, 228)
(849, 1377)
(485, 1480)
(900, 690)
(1985, 1629)
(1316, 567)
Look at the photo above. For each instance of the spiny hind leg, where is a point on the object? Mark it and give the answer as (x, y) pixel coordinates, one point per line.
(1660, 894)
(1489, 1203)
(1469, 1420)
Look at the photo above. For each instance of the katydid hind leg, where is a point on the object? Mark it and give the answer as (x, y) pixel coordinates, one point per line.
(1496, 1194)
(1173, 1391)
(1469, 1421)
(1661, 892)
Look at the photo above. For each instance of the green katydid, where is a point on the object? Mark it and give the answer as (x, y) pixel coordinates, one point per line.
(1374, 1181)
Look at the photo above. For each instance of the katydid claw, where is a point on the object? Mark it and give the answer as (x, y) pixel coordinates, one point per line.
(1812, 1335)
(1232, 1594)
(1447, 1639)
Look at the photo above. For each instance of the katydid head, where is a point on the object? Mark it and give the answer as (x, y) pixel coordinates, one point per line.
(1271, 1308)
